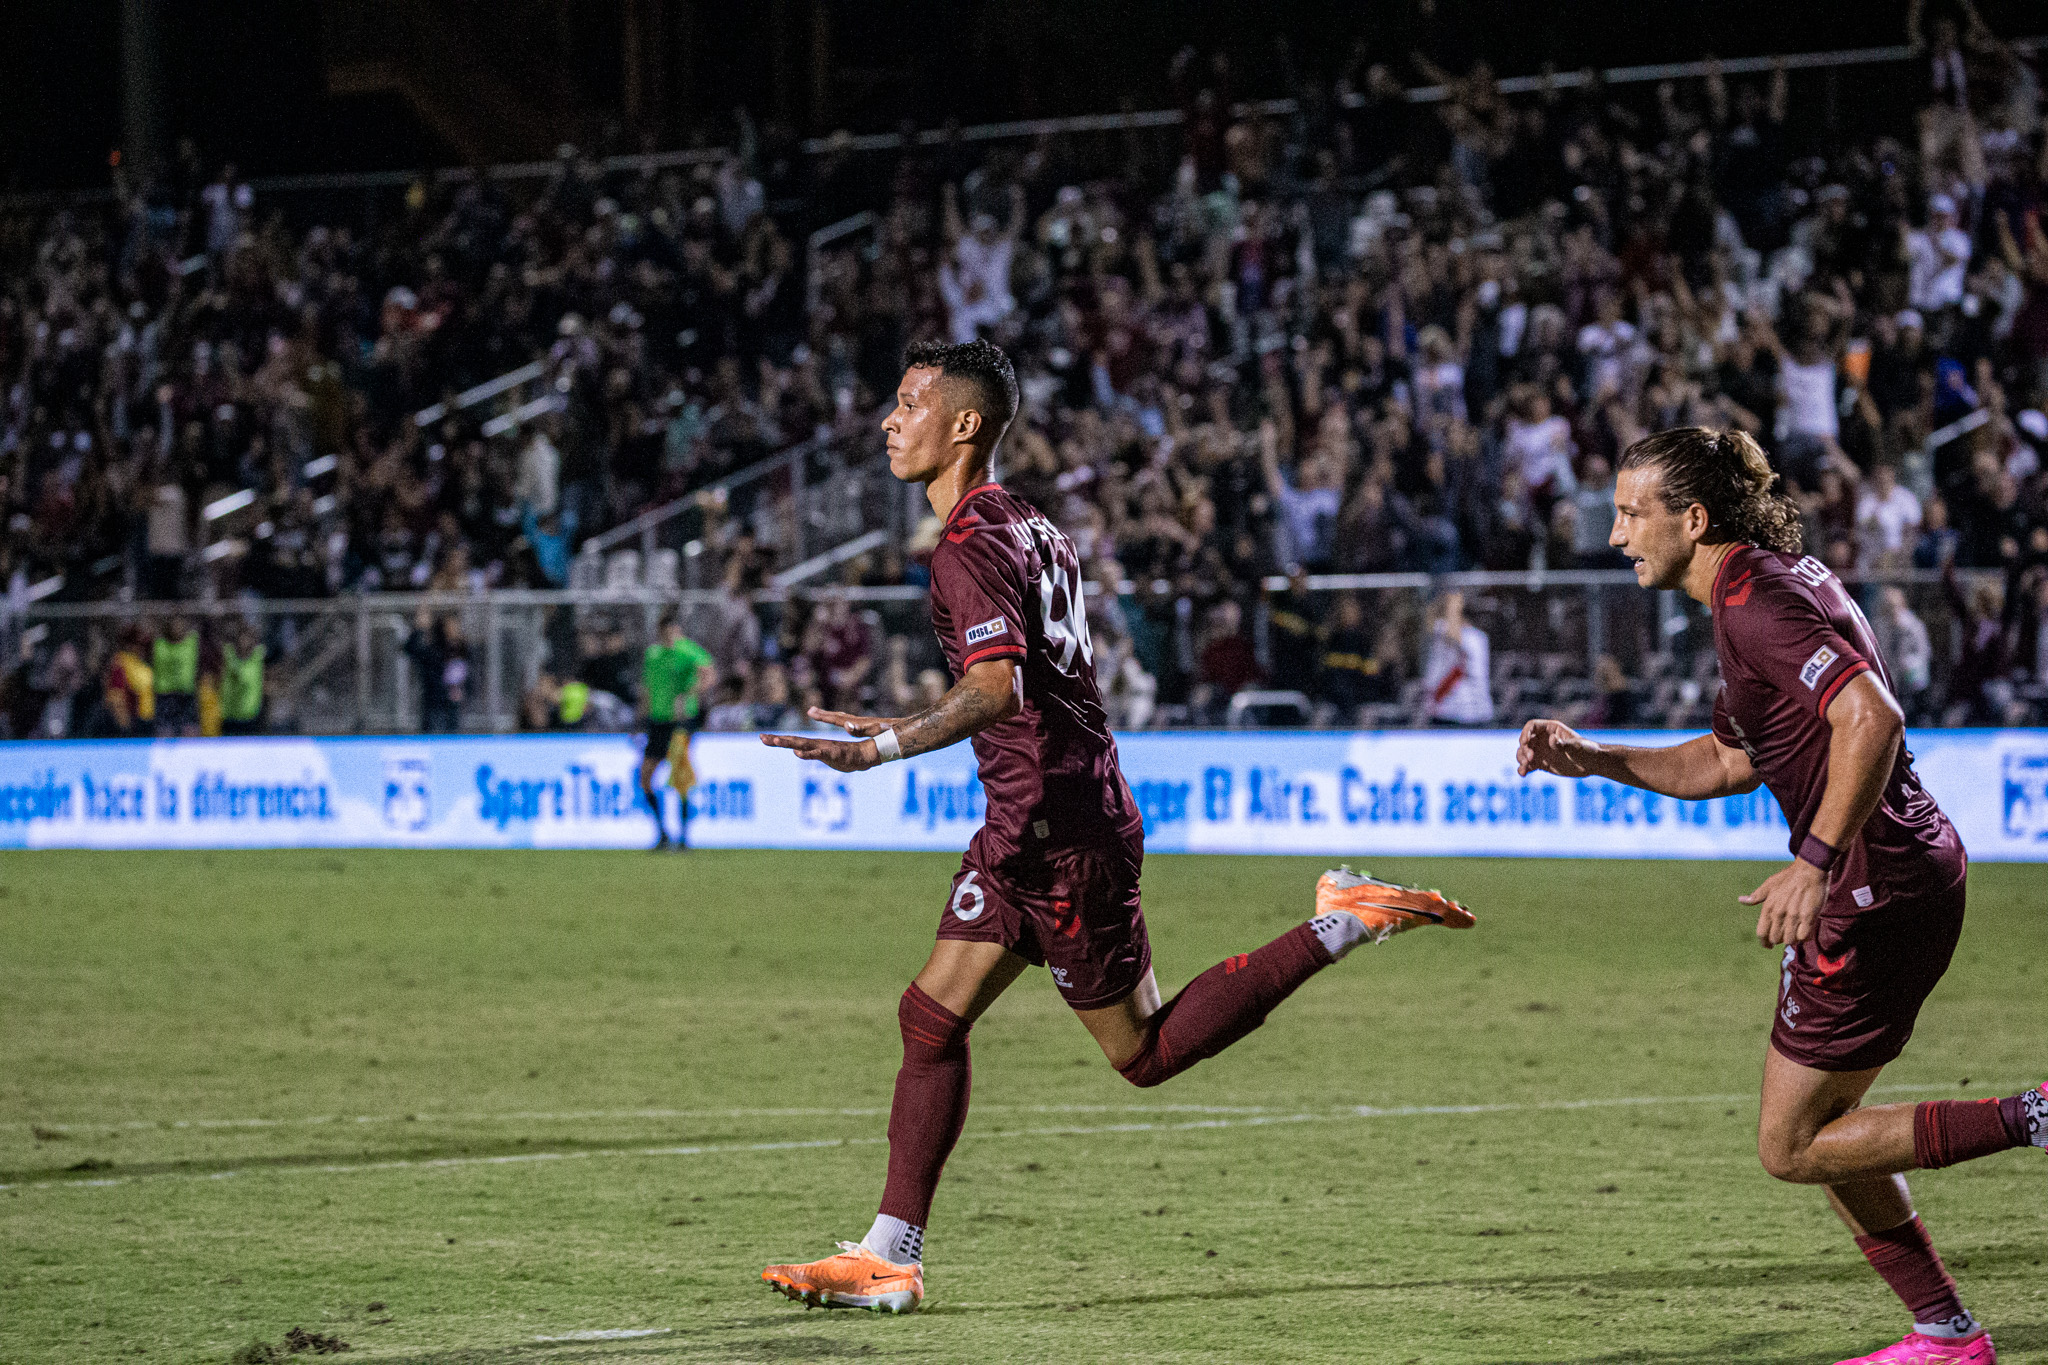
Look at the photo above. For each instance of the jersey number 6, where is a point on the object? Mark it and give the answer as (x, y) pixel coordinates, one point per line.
(968, 892)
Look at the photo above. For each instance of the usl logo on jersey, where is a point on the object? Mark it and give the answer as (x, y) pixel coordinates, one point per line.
(987, 630)
(1810, 672)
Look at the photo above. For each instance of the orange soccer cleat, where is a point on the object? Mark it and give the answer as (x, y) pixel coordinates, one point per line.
(855, 1278)
(1386, 908)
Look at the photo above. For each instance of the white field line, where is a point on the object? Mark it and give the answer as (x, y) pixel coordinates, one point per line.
(610, 1334)
(1240, 1120)
(588, 1115)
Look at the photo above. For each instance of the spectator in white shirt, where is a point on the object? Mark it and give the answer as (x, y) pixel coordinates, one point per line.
(1809, 420)
(1903, 637)
(1455, 686)
(1307, 505)
(1887, 518)
(974, 279)
(1937, 258)
(1439, 379)
(1538, 442)
(227, 204)
(540, 473)
(1605, 343)
(168, 537)
(741, 197)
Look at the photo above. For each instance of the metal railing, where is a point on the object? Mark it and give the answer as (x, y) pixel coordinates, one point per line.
(1421, 94)
(341, 665)
(483, 392)
(814, 252)
(805, 505)
(1032, 128)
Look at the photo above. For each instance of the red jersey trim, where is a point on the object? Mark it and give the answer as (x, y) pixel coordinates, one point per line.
(1860, 666)
(1714, 593)
(964, 499)
(990, 651)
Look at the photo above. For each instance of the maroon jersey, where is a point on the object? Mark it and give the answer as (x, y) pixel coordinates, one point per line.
(1007, 584)
(1789, 636)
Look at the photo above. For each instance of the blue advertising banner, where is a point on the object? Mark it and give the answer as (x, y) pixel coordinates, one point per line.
(1330, 793)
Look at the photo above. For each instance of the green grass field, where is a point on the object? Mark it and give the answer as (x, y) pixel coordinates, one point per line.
(444, 1106)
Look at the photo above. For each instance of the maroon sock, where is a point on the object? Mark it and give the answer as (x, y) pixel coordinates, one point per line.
(1948, 1131)
(930, 1107)
(1225, 1003)
(2013, 1110)
(1913, 1268)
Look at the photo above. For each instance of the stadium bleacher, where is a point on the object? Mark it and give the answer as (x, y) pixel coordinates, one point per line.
(1391, 350)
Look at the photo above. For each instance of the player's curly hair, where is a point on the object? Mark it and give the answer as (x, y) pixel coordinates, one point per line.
(981, 363)
(1727, 473)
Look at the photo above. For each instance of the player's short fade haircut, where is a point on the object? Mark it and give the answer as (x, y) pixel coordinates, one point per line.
(982, 364)
(1727, 473)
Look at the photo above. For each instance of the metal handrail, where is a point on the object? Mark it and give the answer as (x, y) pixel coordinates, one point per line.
(644, 526)
(1421, 94)
(490, 388)
(814, 250)
(830, 559)
(1536, 580)
(644, 596)
(1029, 128)
(652, 519)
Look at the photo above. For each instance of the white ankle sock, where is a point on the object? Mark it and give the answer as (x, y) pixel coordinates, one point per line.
(1339, 933)
(1952, 1329)
(895, 1241)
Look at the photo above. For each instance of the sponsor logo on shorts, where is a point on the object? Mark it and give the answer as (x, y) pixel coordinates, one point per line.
(1817, 665)
(987, 630)
(1787, 1006)
(1059, 976)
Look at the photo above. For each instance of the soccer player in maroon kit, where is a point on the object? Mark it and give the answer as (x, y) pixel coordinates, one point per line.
(1871, 906)
(1052, 876)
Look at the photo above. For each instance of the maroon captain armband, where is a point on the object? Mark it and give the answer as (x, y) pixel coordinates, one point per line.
(1817, 852)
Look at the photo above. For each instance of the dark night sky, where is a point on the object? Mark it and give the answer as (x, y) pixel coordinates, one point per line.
(247, 82)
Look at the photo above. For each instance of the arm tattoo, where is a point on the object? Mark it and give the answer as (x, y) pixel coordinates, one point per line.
(963, 711)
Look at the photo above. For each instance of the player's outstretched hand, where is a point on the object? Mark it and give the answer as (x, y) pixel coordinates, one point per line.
(860, 727)
(846, 756)
(1789, 903)
(1551, 746)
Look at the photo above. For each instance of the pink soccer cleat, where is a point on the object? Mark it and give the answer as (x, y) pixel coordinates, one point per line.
(1923, 1350)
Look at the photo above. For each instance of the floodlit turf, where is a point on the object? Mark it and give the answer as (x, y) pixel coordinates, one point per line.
(443, 1106)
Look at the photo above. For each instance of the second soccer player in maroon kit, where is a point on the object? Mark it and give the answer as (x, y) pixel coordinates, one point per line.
(1052, 876)
(1871, 907)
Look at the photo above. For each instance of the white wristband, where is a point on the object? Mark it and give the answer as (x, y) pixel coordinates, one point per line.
(888, 747)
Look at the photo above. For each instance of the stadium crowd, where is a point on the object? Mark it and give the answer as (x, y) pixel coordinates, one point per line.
(1370, 336)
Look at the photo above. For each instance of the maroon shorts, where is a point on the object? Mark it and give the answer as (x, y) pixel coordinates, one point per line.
(1072, 910)
(1848, 996)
